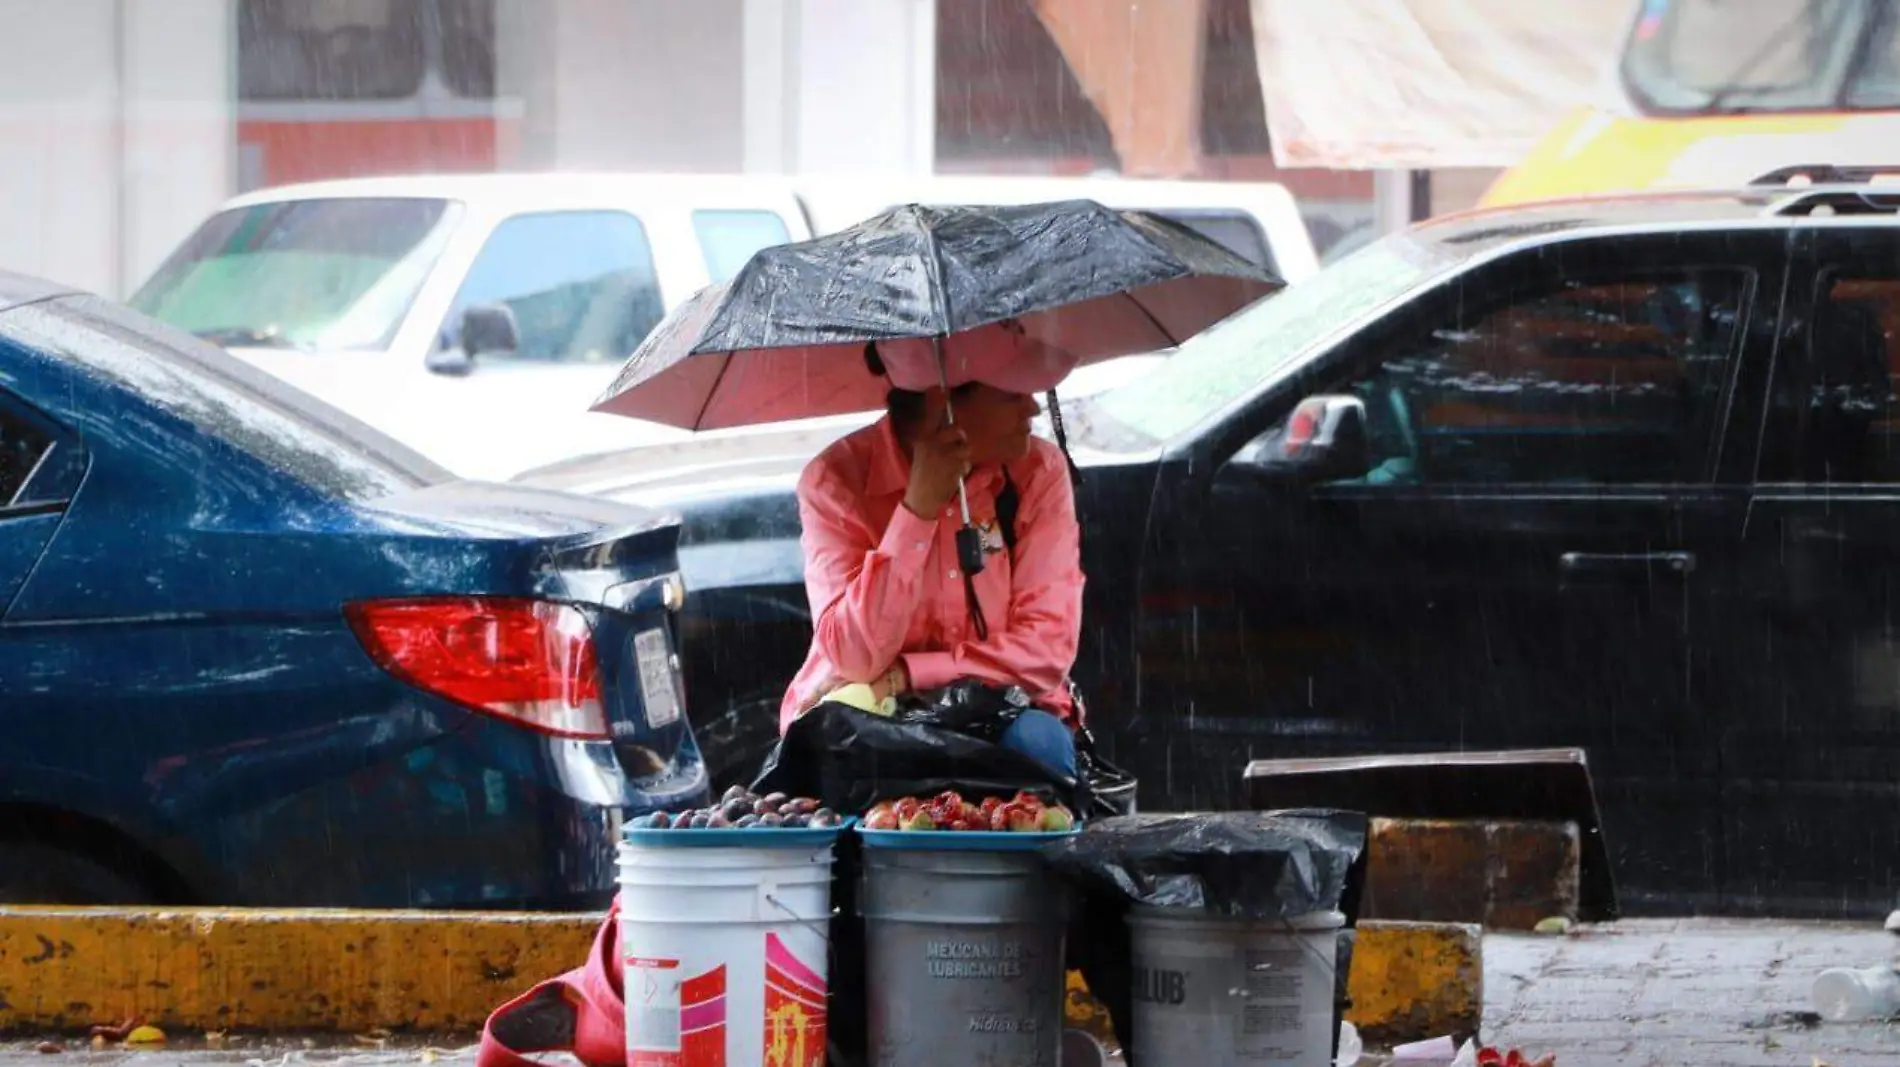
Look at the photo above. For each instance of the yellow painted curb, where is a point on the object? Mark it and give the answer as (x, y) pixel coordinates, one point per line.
(343, 971)
(350, 972)
(1411, 981)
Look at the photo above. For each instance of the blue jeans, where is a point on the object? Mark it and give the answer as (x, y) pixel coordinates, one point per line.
(1043, 738)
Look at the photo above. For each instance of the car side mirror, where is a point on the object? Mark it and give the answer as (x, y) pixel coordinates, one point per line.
(484, 328)
(1323, 440)
(489, 328)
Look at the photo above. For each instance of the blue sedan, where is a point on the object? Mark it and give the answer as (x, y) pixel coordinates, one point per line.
(253, 652)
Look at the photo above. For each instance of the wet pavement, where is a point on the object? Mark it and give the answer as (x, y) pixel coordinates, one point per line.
(1683, 993)
(1687, 993)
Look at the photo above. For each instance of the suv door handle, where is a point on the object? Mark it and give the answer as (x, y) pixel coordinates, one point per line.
(1584, 567)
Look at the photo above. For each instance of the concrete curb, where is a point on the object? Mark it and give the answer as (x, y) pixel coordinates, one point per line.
(66, 969)
(316, 970)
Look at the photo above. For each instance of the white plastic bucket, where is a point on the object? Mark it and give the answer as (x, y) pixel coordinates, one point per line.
(725, 953)
(1218, 992)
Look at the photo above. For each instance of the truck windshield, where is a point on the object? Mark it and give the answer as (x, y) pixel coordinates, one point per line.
(322, 274)
(1716, 57)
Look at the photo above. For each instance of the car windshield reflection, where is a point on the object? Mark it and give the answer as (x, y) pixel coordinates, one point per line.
(1227, 362)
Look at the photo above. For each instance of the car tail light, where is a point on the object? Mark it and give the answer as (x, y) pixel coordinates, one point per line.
(530, 662)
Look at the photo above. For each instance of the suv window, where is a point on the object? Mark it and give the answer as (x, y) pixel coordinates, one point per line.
(581, 285)
(729, 238)
(1607, 380)
(1838, 404)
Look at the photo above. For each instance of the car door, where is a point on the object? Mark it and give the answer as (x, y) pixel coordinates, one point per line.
(1518, 565)
(1808, 702)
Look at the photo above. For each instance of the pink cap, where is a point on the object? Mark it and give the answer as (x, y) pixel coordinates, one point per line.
(999, 355)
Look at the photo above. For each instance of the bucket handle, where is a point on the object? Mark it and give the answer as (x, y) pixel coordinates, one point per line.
(768, 894)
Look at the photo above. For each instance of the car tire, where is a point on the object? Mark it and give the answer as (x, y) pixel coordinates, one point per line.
(32, 873)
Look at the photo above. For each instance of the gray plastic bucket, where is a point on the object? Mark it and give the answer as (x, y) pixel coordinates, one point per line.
(964, 955)
(1218, 992)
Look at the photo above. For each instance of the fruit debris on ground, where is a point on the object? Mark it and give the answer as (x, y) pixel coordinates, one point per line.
(1024, 813)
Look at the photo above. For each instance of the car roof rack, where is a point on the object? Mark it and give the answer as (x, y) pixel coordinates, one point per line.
(1828, 174)
(1836, 200)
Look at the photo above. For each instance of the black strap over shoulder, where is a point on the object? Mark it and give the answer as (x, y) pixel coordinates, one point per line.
(1007, 503)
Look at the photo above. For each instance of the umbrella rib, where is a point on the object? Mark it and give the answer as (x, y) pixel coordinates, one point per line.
(1150, 316)
(718, 379)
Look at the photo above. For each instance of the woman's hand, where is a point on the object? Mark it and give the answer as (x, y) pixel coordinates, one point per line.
(892, 683)
(938, 457)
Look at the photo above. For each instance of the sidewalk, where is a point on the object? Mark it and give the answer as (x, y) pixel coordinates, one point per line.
(1682, 993)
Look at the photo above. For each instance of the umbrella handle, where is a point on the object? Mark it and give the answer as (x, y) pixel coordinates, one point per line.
(950, 416)
(969, 542)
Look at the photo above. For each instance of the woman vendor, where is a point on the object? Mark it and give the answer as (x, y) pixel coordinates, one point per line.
(891, 607)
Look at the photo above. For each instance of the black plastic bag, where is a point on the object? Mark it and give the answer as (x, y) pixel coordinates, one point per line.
(970, 708)
(851, 759)
(1252, 865)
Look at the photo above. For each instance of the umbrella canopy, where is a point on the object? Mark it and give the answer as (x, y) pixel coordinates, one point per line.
(783, 339)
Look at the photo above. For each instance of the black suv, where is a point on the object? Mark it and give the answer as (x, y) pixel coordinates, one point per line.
(1621, 475)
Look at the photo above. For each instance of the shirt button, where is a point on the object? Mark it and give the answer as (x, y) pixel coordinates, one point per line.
(951, 573)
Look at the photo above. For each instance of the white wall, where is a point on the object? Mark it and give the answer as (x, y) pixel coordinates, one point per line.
(116, 129)
(723, 85)
(841, 85)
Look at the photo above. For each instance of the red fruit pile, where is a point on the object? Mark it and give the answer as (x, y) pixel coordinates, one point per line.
(1025, 813)
(1490, 1057)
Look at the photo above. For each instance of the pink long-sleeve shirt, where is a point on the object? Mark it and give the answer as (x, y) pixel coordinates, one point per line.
(885, 584)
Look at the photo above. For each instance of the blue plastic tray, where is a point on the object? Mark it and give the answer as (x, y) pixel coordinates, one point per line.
(961, 840)
(750, 837)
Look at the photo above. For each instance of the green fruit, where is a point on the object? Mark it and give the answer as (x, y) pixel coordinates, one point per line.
(921, 821)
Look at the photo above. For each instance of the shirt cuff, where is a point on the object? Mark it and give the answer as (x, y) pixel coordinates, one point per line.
(930, 670)
(908, 538)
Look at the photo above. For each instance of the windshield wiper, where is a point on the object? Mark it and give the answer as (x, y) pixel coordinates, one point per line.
(246, 337)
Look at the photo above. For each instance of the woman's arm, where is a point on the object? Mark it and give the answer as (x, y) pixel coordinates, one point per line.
(863, 591)
(1038, 646)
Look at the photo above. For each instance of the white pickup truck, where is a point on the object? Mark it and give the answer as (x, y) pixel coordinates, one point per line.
(474, 318)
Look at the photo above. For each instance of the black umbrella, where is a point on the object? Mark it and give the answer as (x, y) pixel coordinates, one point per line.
(783, 339)
(1071, 282)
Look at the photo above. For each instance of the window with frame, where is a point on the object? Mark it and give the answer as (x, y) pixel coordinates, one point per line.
(23, 444)
(728, 238)
(1601, 380)
(581, 285)
(297, 50)
(1832, 412)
